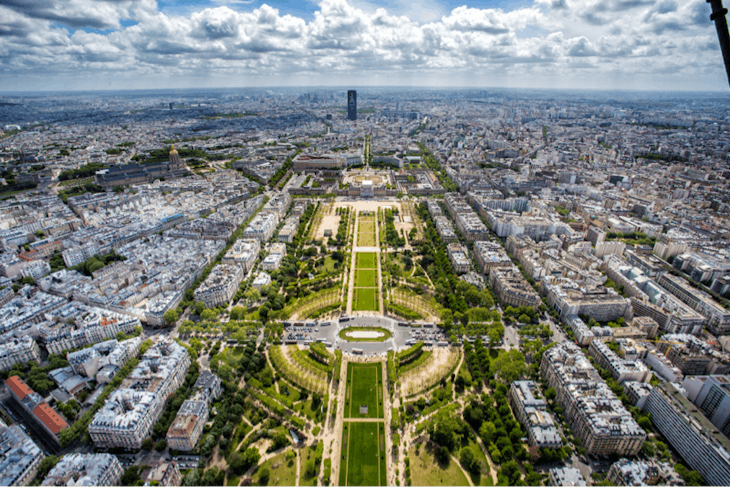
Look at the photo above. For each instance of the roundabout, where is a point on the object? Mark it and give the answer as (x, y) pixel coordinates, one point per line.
(365, 334)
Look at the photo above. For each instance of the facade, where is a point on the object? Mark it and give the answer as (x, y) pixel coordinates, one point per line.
(244, 252)
(19, 456)
(85, 469)
(444, 228)
(511, 287)
(692, 435)
(18, 350)
(621, 370)
(711, 393)
(131, 411)
(718, 318)
(458, 257)
(594, 413)
(187, 426)
(220, 286)
(312, 162)
(531, 411)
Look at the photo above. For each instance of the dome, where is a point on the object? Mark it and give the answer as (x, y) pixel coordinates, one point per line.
(173, 151)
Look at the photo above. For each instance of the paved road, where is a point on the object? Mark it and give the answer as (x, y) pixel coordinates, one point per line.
(399, 334)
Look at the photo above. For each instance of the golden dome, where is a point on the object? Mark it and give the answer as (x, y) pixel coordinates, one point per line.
(173, 151)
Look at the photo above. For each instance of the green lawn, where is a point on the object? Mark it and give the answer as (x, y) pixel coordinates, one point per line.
(386, 334)
(363, 461)
(425, 470)
(282, 471)
(366, 278)
(364, 388)
(304, 455)
(365, 299)
(484, 477)
(365, 260)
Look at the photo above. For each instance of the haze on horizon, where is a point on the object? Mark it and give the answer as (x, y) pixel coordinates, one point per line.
(540, 44)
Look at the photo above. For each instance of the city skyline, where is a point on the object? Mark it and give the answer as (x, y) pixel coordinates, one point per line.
(545, 44)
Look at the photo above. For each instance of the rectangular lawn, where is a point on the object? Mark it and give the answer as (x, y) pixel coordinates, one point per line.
(364, 451)
(365, 260)
(365, 299)
(364, 388)
(366, 278)
(365, 239)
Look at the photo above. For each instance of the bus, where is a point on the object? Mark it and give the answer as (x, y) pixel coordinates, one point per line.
(357, 351)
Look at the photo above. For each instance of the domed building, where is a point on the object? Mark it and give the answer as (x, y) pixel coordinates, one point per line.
(143, 173)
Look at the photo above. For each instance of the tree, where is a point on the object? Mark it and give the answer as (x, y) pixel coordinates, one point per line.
(238, 313)
(510, 365)
(252, 294)
(251, 457)
(147, 444)
(199, 307)
(469, 461)
(208, 315)
(442, 455)
(170, 316)
(46, 465)
(486, 432)
(161, 445)
(264, 476)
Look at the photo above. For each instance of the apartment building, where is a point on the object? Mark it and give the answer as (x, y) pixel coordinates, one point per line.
(261, 227)
(44, 415)
(621, 370)
(85, 469)
(718, 318)
(566, 476)
(289, 230)
(444, 228)
(488, 254)
(15, 350)
(599, 303)
(466, 219)
(165, 473)
(76, 325)
(511, 287)
(220, 286)
(458, 257)
(131, 411)
(243, 252)
(19, 456)
(583, 334)
(277, 205)
(711, 393)
(187, 427)
(693, 436)
(531, 411)
(277, 252)
(594, 413)
(638, 472)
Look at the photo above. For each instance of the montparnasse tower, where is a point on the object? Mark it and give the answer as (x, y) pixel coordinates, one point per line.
(175, 161)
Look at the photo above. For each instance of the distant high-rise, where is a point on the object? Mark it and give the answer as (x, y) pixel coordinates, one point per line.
(352, 105)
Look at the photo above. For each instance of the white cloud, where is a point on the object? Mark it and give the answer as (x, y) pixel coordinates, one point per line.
(585, 43)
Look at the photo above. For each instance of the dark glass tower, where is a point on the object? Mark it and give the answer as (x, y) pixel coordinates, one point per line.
(352, 105)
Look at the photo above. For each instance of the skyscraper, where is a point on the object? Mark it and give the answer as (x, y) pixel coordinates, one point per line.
(352, 105)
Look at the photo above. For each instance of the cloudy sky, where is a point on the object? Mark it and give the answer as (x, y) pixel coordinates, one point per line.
(583, 44)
